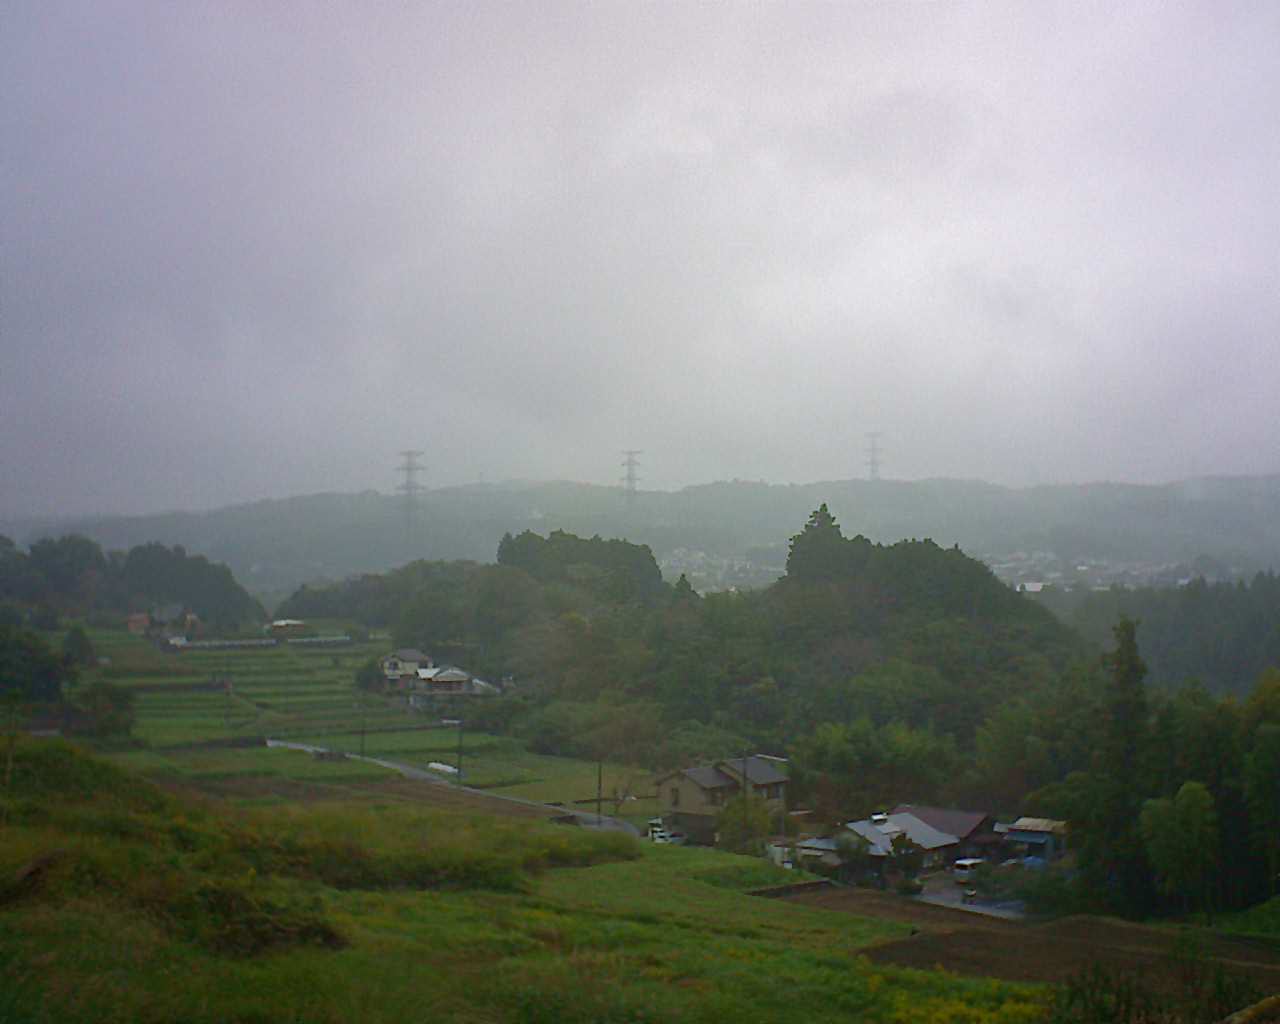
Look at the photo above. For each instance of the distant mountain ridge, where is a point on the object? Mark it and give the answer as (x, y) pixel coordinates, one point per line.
(277, 544)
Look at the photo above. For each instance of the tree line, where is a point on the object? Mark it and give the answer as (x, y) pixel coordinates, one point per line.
(35, 677)
(887, 673)
(1175, 797)
(1223, 635)
(909, 646)
(72, 575)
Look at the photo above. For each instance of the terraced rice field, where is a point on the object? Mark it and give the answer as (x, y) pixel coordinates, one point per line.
(201, 696)
(204, 715)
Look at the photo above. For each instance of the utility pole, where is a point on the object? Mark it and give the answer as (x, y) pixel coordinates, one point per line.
(599, 790)
(410, 488)
(631, 463)
(873, 455)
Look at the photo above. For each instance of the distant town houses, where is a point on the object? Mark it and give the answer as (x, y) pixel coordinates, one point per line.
(414, 673)
(164, 622)
(171, 618)
(1030, 572)
(404, 663)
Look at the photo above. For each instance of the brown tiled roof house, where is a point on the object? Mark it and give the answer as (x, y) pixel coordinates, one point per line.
(691, 798)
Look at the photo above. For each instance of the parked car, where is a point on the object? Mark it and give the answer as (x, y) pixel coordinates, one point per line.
(658, 833)
(966, 869)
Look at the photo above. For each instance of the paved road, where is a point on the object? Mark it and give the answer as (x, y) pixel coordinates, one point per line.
(942, 891)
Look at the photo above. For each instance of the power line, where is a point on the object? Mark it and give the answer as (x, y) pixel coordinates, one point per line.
(873, 454)
(410, 488)
(630, 463)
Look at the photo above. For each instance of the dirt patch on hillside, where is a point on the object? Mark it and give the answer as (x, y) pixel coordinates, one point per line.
(871, 903)
(1047, 952)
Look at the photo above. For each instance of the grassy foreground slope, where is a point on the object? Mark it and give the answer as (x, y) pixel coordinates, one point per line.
(120, 902)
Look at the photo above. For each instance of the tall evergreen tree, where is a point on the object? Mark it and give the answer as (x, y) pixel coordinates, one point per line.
(1126, 724)
(1114, 855)
(1262, 791)
(818, 551)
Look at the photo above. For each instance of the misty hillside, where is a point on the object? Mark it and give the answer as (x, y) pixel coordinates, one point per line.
(275, 545)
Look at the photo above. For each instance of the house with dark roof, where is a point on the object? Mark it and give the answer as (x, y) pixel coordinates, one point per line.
(878, 835)
(974, 830)
(449, 681)
(691, 798)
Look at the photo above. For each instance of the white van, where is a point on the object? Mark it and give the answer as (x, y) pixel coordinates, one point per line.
(966, 868)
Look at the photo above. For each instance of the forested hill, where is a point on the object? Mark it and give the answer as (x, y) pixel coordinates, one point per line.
(71, 575)
(1220, 635)
(912, 638)
(279, 544)
(902, 673)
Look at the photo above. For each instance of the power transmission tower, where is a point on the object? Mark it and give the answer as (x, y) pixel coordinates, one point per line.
(630, 463)
(873, 455)
(410, 467)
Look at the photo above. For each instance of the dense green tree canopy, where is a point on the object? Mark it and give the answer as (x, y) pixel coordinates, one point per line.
(887, 673)
(1222, 634)
(1181, 837)
(71, 575)
(77, 649)
(29, 669)
(614, 569)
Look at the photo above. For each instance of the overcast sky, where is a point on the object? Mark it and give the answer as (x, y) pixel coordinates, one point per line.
(251, 250)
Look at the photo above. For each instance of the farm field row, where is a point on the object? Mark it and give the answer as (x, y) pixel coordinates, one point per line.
(200, 696)
(502, 765)
(1044, 952)
(306, 695)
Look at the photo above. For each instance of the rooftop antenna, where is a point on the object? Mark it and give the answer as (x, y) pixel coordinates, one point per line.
(411, 488)
(630, 463)
(873, 455)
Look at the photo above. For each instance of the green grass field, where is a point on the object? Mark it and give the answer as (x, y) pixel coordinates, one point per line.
(121, 903)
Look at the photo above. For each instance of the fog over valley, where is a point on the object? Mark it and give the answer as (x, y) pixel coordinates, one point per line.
(252, 251)
(602, 512)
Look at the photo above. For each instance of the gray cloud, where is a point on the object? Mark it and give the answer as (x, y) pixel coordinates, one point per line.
(251, 251)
